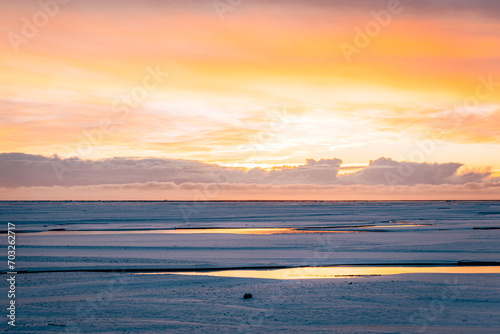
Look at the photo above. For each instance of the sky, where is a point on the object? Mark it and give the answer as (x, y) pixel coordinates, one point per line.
(250, 99)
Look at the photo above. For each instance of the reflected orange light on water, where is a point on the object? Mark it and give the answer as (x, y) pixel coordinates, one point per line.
(252, 231)
(261, 231)
(258, 231)
(343, 272)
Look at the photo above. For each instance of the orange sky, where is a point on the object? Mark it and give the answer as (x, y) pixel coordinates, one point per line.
(266, 83)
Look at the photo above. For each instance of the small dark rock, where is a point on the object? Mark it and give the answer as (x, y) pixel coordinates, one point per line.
(247, 296)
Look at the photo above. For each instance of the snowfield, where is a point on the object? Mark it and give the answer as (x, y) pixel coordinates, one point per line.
(59, 243)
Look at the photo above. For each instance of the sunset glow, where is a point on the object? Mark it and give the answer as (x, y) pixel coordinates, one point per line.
(265, 84)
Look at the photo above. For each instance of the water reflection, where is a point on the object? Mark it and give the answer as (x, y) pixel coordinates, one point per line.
(236, 230)
(340, 272)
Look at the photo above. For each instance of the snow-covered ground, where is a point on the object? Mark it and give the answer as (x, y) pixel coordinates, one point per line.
(113, 302)
(170, 235)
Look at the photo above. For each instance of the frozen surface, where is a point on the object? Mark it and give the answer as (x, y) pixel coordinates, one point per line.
(116, 235)
(113, 303)
(362, 232)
